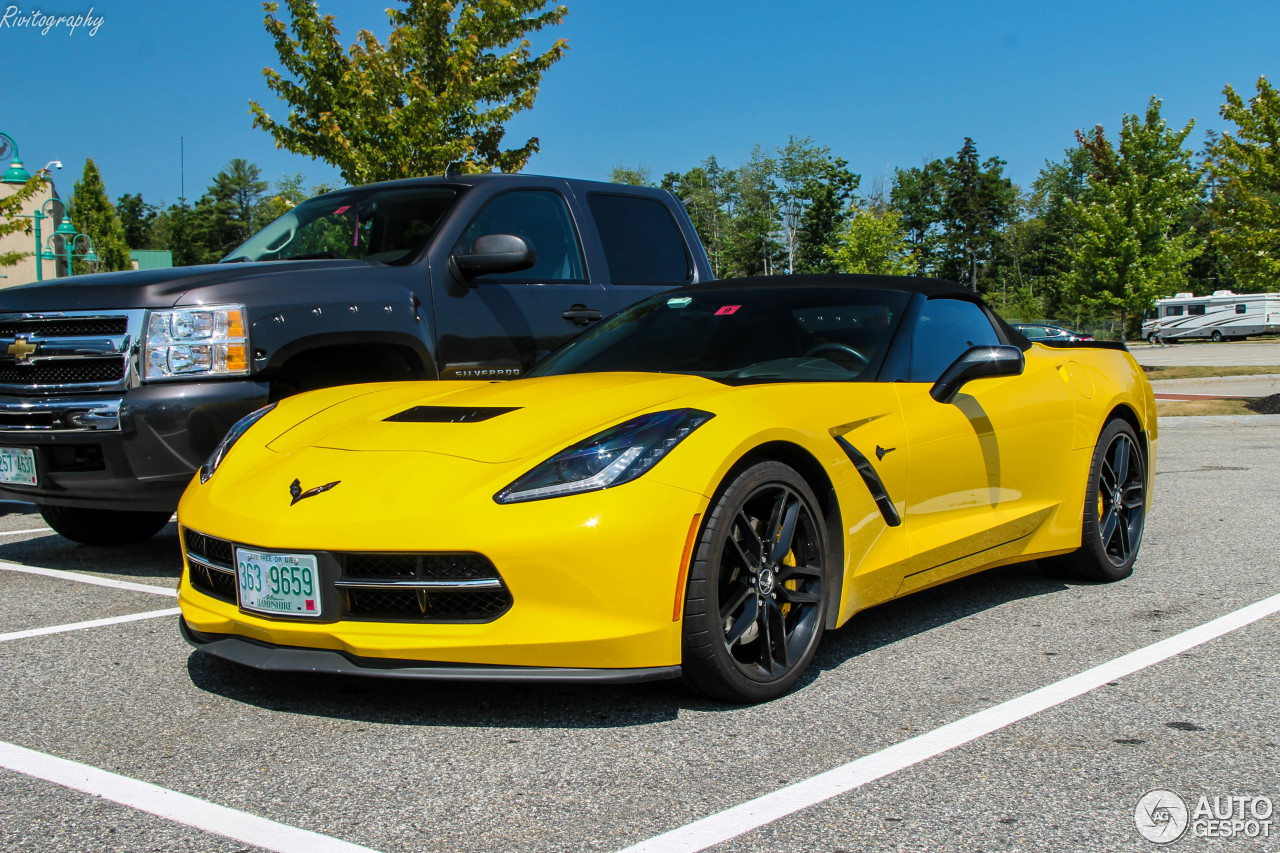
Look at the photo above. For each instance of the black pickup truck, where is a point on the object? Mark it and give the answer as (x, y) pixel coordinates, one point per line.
(115, 387)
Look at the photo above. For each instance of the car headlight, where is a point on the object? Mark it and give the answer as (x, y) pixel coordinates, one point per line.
(610, 458)
(238, 429)
(205, 341)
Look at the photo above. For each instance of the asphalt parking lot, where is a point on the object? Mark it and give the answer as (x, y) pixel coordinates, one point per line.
(397, 766)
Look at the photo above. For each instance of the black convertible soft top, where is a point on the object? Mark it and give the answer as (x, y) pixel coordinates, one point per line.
(905, 283)
(929, 287)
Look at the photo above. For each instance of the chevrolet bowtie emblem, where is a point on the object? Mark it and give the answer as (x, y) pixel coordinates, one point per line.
(296, 490)
(21, 350)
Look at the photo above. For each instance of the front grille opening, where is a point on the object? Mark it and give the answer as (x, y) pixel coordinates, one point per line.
(428, 605)
(76, 371)
(444, 606)
(70, 327)
(212, 582)
(212, 550)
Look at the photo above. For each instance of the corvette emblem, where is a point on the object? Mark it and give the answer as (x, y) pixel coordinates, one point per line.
(295, 489)
(21, 350)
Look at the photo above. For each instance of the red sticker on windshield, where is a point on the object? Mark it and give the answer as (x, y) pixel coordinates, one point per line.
(728, 309)
(342, 209)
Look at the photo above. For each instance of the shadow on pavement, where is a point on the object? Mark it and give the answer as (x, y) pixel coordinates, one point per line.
(534, 706)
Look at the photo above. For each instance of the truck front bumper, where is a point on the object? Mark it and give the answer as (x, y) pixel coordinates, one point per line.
(130, 451)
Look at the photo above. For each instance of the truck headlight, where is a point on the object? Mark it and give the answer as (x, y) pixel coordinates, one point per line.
(206, 341)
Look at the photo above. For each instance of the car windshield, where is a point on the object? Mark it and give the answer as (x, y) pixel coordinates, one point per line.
(387, 225)
(743, 336)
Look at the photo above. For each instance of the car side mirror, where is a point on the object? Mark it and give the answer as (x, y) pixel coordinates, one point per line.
(976, 363)
(491, 254)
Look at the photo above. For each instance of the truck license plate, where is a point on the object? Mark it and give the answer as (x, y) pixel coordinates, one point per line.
(17, 466)
(282, 584)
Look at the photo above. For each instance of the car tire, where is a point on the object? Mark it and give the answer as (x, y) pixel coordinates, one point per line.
(1114, 509)
(753, 617)
(103, 526)
(1217, 337)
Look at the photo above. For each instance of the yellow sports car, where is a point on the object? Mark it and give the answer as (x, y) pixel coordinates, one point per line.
(699, 486)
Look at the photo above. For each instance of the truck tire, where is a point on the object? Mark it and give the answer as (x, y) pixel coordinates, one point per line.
(103, 526)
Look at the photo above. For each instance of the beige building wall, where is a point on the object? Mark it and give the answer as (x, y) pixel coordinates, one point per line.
(25, 271)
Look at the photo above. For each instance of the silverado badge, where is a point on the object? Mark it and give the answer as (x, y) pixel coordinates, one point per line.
(295, 489)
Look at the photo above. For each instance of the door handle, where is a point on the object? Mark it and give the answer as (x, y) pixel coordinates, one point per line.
(581, 315)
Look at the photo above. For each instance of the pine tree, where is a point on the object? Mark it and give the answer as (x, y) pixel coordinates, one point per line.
(93, 214)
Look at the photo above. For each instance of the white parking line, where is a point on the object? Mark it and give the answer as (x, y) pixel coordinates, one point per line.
(92, 623)
(750, 815)
(31, 530)
(89, 579)
(180, 808)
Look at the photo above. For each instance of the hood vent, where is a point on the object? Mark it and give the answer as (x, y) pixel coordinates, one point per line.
(448, 414)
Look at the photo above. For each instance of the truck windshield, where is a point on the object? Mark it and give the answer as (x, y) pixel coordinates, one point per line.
(385, 225)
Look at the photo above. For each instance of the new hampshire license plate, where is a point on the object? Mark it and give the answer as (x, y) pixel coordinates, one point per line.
(17, 466)
(283, 584)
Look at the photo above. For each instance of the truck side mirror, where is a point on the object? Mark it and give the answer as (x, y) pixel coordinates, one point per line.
(493, 253)
(975, 363)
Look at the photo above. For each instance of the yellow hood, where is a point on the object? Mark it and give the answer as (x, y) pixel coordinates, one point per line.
(546, 413)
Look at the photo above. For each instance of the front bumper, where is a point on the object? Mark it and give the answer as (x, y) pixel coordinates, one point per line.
(132, 451)
(273, 658)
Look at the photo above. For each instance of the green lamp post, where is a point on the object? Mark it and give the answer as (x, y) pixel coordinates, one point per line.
(16, 174)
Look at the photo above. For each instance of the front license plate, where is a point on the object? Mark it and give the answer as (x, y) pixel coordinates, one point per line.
(283, 584)
(17, 466)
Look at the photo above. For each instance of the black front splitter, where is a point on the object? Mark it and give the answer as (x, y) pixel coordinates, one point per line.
(274, 658)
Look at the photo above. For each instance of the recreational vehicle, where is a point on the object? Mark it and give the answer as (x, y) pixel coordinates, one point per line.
(1220, 317)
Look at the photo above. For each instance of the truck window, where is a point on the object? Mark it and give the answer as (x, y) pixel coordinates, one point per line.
(1195, 309)
(1241, 309)
(542, 219)
(642, 243)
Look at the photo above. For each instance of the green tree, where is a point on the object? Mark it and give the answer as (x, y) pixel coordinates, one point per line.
(977, 203)
(752, 245)
(705, 192)
(284, 195)
(873, 242)
(807, 176)
(441, 89)
(224, 215)
(136, 218)
(175, 230)
(93, 214)
(637, 177)
(916, 195)
(12, 219)
(1128, 249)
(1245, 169)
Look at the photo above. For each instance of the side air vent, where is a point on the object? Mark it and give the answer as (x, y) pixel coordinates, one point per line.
(448, 414)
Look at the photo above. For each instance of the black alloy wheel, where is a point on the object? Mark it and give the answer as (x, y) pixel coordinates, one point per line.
(1115, 508)
(757, 588)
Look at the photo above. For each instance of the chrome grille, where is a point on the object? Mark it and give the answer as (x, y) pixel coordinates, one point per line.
(68, 351)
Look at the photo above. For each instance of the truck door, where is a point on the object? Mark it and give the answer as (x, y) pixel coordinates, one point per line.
(495, 326)
(644, 251)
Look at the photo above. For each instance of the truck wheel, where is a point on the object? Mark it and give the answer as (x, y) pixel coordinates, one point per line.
(1217, 336)
(103, 526)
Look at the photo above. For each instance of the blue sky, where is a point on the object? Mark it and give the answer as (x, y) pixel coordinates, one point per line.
(656, 83)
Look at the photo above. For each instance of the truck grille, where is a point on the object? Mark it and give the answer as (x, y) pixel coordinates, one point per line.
(68, 351)
(63, 372)
(73, 327)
